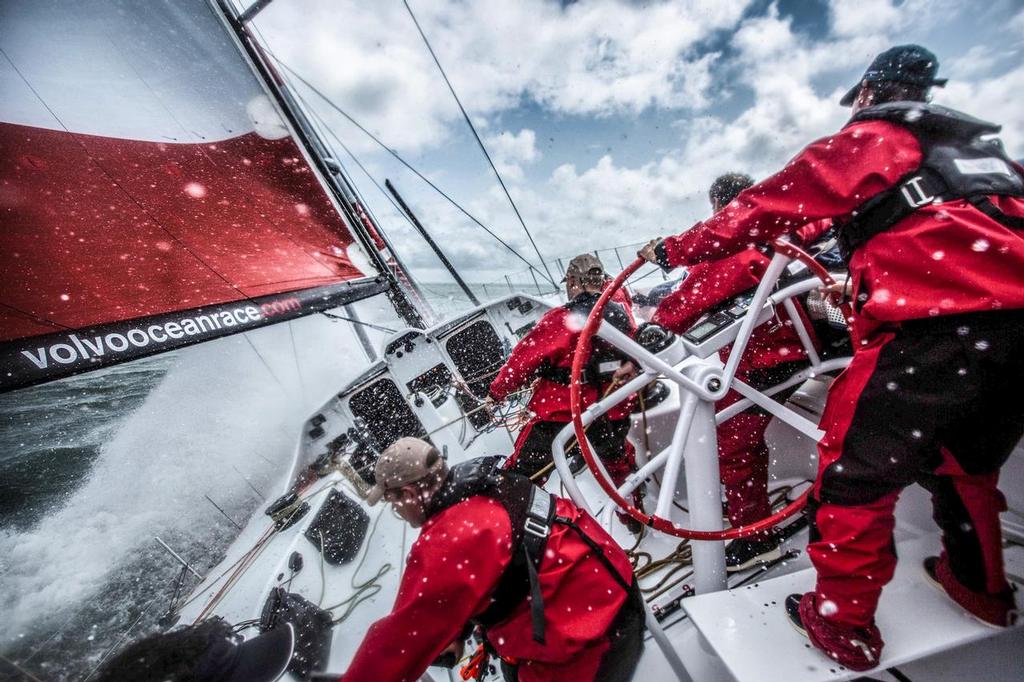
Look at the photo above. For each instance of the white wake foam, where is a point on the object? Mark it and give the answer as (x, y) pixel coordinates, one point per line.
(221, 409)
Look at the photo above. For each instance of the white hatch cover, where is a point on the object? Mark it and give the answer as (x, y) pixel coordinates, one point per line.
(749, 630)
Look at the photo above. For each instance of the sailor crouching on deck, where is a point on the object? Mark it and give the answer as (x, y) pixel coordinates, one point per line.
(553, 593)
(930, 211)
(546, 354)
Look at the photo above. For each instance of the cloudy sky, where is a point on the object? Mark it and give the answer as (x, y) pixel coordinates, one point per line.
(609, 119)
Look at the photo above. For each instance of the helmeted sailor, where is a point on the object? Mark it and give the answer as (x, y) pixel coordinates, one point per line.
(553, 593)
(546, 353)
(773, 354)
(930, 211)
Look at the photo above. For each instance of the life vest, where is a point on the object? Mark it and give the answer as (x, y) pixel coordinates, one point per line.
(959, 160)
(604, 358)
(531, 512)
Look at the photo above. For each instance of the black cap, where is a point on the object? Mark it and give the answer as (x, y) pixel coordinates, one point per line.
(911, 64)
(260, 659)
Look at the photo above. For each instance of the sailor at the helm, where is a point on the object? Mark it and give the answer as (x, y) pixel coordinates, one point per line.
(930, 211)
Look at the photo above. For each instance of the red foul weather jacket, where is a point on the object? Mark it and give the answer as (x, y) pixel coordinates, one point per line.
(552, 340)
(708, 284)
(454, 567)
(942, 259)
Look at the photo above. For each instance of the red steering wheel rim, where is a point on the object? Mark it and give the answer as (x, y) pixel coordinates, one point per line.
(580, 356)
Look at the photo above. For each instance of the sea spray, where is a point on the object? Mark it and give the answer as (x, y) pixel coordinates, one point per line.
(79, 578)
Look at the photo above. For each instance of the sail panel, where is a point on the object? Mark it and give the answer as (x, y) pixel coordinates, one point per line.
(143, 171)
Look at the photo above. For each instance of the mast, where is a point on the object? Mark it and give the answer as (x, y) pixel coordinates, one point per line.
(433, 245)
(305, 134)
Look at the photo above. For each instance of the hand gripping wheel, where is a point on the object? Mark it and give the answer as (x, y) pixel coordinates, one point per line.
(579, 361)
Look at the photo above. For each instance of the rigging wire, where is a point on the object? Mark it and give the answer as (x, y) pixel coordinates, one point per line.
(122, 638)
(295, 357)
(479, 142)
(263, 360)
(321, 127)
(378, 327)
(23, 671)
(398, 158)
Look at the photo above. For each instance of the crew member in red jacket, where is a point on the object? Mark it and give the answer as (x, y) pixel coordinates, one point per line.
(546, 354)
(552, 592)
(930, 211)
(774, 353)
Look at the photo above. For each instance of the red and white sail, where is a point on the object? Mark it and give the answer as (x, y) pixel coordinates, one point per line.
(150, 194)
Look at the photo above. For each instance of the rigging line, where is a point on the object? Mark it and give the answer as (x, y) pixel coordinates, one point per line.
(20, 669)
(355, 321)
(262, 359)
(387, 195)
(398, 158)
(405, 163)
(121, 639)
(320, 123)
(480, 142)
(295, 357)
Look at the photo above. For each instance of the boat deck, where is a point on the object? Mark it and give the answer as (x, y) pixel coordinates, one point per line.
(743, 634)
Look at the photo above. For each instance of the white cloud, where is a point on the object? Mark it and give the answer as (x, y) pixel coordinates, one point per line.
(509, 150)
(595, 58)
(978, 61)
(1016, 24)
(609, 59)
(993, 99)
(862, 17)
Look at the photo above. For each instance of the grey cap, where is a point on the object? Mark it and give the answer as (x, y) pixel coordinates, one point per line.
(405, 461)
(584, 265)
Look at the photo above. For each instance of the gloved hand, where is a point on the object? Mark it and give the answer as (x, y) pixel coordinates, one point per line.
(836, 293)
(647, 252)
(624, 373)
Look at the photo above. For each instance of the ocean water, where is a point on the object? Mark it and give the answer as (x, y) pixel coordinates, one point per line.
(93, 468)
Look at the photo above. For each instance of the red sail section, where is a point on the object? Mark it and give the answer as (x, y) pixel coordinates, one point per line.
(99, 229)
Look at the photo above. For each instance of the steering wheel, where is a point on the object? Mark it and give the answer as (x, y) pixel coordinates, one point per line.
(576, 404)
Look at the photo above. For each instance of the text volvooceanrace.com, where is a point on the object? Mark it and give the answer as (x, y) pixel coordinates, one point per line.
(80, 348)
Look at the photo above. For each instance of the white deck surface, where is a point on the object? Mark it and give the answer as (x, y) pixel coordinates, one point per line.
(749, 629)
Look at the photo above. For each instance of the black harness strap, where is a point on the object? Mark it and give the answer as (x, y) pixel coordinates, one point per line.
(960, 160)
(531, 513)
(596, 549)
(535, 537)
(876, 215)
(985, 205)
(563, 375)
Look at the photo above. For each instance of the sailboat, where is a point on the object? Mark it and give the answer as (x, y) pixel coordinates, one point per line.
(163, 193)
